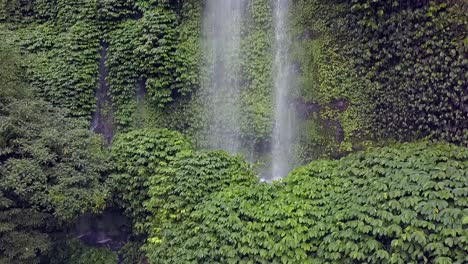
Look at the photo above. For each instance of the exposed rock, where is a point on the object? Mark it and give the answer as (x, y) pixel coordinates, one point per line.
(109, 229)
(339, 104)
(309, 35)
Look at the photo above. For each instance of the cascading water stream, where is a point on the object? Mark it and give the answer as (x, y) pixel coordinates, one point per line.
(102, 121)
(221, 90)
(222, 37)
(283, 131)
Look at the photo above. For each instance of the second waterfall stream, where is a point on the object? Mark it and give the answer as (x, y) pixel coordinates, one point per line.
(283, 131)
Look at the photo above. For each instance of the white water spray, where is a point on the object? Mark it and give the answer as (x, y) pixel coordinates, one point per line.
(283, 131)
(222, 37)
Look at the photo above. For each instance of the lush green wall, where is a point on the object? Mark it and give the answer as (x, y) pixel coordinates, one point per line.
(366, 73)
(361, 74)
(400, 204)
(380, 70)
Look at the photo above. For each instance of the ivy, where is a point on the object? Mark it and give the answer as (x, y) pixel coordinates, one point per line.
(414, 53)
(148, 52)
(257, 93)
(398, 204)
(156, 53)
(124, 69)
(178, 189)
(137, 156)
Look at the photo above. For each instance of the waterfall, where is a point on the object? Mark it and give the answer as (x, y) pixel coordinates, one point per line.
(102, 121)
(221, 90)
(284, 112)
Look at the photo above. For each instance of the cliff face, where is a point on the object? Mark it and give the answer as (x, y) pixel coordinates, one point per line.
(398, 69)
(361, 74)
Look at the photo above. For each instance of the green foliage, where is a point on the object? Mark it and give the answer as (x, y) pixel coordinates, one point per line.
(181, 186)
(156, 51)
(115, 10)
(137, 156)
(22, 236)
(156, 55)
(49, 161)
(398, 69)
(73, 252)
(152, 47)
(50, 170)
(123, 68)
(257, 92)
(188, 54)
(327, 81)
(63, 58)
(130, 253)
(414, 52)
(15, 10)
(50, 167)
(401, 204)
(12, 84)
(397, 65)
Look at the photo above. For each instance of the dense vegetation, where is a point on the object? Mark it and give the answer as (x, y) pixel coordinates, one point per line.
(401, 204)
(52, 170)
(384, 80)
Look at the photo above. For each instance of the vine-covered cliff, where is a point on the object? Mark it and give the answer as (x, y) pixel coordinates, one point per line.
(384, 78)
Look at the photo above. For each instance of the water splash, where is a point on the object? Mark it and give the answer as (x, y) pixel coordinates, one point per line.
(283, 131)
(221, 91)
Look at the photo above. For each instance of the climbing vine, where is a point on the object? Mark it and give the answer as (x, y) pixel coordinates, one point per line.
(397, 204)
(179, 188)
(138, 155)
(257, 94)
(415, 53)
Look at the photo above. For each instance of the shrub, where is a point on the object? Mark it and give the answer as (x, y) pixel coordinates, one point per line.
(137, 156)
(74, 252)
(182, 186)
(402, 204)
(51, 170)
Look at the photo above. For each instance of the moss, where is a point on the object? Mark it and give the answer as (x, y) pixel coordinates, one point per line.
(327, 79)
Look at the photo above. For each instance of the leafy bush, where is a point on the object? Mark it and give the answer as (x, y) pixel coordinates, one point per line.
(401, 204)
(182, 186)
(63, 66)
(51, 170)
(137, 156)
(415, 51)
(74, 252)
(11, 85)
(50, 161)
(131, 253)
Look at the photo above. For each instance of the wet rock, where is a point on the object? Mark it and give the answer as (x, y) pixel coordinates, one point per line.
(141, 89)
(109, 229)
(310, 34)
(305, 109)
(339, 104)
(296, 68)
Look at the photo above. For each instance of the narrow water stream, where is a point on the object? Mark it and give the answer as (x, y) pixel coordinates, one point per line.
(102, 121)
(283, 131)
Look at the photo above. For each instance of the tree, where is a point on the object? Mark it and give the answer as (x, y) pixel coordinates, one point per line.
(51, 170)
